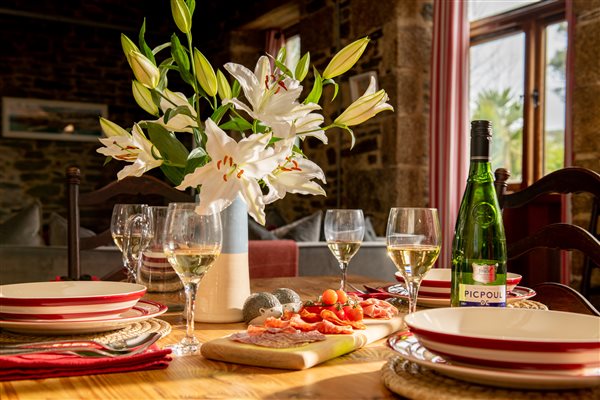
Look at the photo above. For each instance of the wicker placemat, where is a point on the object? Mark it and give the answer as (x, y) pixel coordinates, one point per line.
(402, 306)
(130, 331)
(415, 382)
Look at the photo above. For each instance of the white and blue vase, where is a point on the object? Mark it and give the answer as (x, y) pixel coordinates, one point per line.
(226, 286)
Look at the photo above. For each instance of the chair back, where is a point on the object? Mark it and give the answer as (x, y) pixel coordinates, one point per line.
(143, 189)
(558, 235)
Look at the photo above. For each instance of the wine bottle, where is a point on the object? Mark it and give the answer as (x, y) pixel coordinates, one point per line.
(479, 245)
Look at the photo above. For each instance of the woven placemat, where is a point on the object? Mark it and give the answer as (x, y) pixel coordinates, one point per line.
(130, 331)
(530, 304)
(415, 382)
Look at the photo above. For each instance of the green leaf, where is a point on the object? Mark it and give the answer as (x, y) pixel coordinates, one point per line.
(174, 174)
(317, 90)
(281, 54)
(171, 112)
(220, 113)
(336, 87)
(302, 67)
(191, 5)
(197, 158)
(199, 137)
(236, 124)
(144, 48)
(179, 54)
(169, 146)
(235, 89)
(284, 69)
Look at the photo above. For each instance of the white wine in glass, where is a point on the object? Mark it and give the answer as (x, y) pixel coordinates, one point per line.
(413, 244)
(191, 242)
(344, 232)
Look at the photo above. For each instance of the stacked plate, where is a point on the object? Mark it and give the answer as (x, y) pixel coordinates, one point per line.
(73, 306)
(435, 288)
(509, 347)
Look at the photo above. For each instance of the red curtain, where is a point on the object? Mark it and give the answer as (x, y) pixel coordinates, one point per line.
(449, 146)
(275, 40)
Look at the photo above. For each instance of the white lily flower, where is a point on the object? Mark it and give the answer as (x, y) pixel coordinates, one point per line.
(295, 175)
(365, 107)
(235, 167)
(271, 100)
(134, 148)
(309, 125)
(180, 122)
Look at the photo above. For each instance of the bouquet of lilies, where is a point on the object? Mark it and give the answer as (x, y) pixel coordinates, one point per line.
(270, 120)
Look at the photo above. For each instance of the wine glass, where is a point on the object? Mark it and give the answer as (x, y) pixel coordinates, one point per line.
(344, 232)
(191, 242)
(129, 230)
(413, 244)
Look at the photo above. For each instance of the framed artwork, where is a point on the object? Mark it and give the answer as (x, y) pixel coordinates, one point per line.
(360, 83)
(51, 119)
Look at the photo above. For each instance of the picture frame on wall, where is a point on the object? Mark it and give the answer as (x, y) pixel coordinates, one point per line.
(360, 83)
(51, 119)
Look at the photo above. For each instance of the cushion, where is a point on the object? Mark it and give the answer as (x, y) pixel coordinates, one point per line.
(23, 228)
(58, 228)
(272, 258)
(307, 229)
(258, 232)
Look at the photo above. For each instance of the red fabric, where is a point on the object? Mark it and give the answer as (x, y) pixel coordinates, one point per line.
(449, 133)
(47, 365)
(272, 258)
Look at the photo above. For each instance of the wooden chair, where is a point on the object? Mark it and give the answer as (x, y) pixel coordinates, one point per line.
(558, 235)
(559, 297)
(145, 189)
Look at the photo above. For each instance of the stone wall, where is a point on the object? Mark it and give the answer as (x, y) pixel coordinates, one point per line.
(586, 106)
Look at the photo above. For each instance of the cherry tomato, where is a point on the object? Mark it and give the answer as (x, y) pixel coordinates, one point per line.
(329, 296)
(337, 310)
(354, 313)
(342, 296)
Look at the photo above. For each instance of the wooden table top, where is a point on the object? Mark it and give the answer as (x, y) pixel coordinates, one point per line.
(352, 376)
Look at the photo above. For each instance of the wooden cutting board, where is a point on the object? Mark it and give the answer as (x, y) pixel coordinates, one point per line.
(224, 349)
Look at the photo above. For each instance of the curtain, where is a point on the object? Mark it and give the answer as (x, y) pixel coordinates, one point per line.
(449, 133)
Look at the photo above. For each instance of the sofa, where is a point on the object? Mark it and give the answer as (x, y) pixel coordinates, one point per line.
(296, 248)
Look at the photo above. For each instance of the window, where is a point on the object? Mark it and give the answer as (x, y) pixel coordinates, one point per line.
(517, 80)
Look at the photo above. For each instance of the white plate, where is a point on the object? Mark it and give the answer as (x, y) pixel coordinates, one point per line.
(519, 293)
(142, 311)
(409, 347)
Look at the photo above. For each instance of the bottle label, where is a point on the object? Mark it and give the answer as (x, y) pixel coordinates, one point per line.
(477, 295)
(484, 273)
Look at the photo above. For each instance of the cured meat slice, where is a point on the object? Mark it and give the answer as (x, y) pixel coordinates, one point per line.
(330, 328)
(376, 308)
(274, 338)
(330, 316)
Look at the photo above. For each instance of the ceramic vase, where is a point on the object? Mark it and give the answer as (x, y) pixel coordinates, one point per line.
(224, 289)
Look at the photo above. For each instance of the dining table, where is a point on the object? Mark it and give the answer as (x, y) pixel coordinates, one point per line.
(356, 375)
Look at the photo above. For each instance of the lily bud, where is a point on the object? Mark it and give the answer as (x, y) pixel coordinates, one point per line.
(223, 87)
(128, 46)
(205, 73)
(181, 15)
(302, 67)
(143, 97)
(365, 107)
(144, 70)
(345, 58)
(111, 129)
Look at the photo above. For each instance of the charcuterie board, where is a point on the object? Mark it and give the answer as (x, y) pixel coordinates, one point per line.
(309, 355)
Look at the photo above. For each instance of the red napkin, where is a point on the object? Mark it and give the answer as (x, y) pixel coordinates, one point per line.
(48, 365)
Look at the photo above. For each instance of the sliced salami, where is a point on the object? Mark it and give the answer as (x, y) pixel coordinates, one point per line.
(274, 338)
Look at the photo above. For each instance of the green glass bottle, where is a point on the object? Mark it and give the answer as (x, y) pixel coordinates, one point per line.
(479, 245)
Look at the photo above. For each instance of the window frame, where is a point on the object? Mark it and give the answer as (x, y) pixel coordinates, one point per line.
(532, 20)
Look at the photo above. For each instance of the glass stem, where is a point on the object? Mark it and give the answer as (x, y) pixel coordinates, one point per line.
(413, 292)
(343, 267)
(190, 296)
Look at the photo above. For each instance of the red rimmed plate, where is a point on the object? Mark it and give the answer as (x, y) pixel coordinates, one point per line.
(142, 311)
(409, 348)
(510, 337)
(436, 283)
(67, 300)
